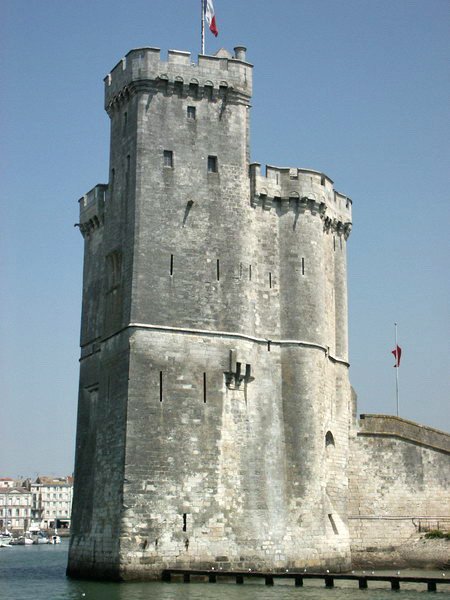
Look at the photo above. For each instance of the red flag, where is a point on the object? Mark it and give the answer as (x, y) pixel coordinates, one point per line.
(397, 354)
(210, 16)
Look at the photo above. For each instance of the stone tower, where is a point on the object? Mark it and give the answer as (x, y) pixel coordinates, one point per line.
(214, 402)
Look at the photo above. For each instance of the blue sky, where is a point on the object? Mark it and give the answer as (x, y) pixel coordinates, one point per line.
(358, 89)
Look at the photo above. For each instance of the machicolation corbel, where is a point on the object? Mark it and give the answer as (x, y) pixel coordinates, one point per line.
(238, 372)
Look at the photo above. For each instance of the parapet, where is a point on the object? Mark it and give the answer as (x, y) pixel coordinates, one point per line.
(92, 209)
(143, 66)
(305, 188)
(391, 426)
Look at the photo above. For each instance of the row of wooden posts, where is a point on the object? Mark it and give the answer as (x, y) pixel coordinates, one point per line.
(329, 579)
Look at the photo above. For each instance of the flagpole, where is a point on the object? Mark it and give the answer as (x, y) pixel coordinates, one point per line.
(396, 369)
(203, 26)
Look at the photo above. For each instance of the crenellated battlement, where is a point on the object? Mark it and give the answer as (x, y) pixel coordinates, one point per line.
(211, 76)
(301, 190)
(92, 209)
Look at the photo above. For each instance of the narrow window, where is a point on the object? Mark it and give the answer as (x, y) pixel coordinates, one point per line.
(208, 92)
(171, 264)
(268, 345)
(250, 272)
(160, 386)
(204, 388)
(191, 113)
(340, 241)
(218, 270)
(270, 279)
(334, 242)
(212, 164)
(127, 174)
(193, 89)
(329, 439)
(303, 266)
(184, 521)
(333, 524)
(322, 180)
(168, 158)
(113, 270)
(125, 121)
(178, 87)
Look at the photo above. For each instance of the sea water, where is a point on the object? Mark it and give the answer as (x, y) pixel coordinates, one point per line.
(38, 573)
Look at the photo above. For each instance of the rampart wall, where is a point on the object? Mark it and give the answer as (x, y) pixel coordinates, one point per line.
(399, 486)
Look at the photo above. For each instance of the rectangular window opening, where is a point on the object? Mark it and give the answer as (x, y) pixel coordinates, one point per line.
(191, 113)
(168, 158)
(212, 164)
(160, 386)
(218, 270)
(178, 88)
(270, 280)
(184, 521)
(303, 266)
(171, 264)
(268, 345)
(250, 272)
(334, 242)
(204, 388)
(193, 89)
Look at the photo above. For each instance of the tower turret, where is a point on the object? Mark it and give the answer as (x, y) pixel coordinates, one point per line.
(213, 373)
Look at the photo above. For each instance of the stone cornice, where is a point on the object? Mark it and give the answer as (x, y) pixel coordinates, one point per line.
(301, 205)
(396, 427)
(167, 86)
(229, 335)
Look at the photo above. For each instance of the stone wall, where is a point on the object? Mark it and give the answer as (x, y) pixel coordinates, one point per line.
(399, 486)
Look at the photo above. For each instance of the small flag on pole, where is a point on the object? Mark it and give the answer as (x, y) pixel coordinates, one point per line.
(210, 16)
(397, 354)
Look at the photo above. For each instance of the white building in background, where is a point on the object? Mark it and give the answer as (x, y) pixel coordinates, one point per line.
(7, 482)
(15, 507)
(51, 501)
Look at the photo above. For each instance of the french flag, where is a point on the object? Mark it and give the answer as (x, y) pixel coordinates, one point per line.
(210, 16)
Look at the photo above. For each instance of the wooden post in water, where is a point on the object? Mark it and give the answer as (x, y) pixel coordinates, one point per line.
(395, 584)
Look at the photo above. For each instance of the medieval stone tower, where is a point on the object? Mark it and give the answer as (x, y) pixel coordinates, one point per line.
(214, 402)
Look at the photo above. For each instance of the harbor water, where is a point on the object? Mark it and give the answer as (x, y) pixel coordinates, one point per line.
(38, 573)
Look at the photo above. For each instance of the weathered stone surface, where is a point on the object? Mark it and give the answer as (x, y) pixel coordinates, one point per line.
(215, 410)
(399, 482)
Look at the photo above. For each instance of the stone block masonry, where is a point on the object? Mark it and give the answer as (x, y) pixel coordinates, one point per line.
(400, 479)
(215, 409)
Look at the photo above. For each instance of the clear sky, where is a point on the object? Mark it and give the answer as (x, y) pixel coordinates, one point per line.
(358, 89)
